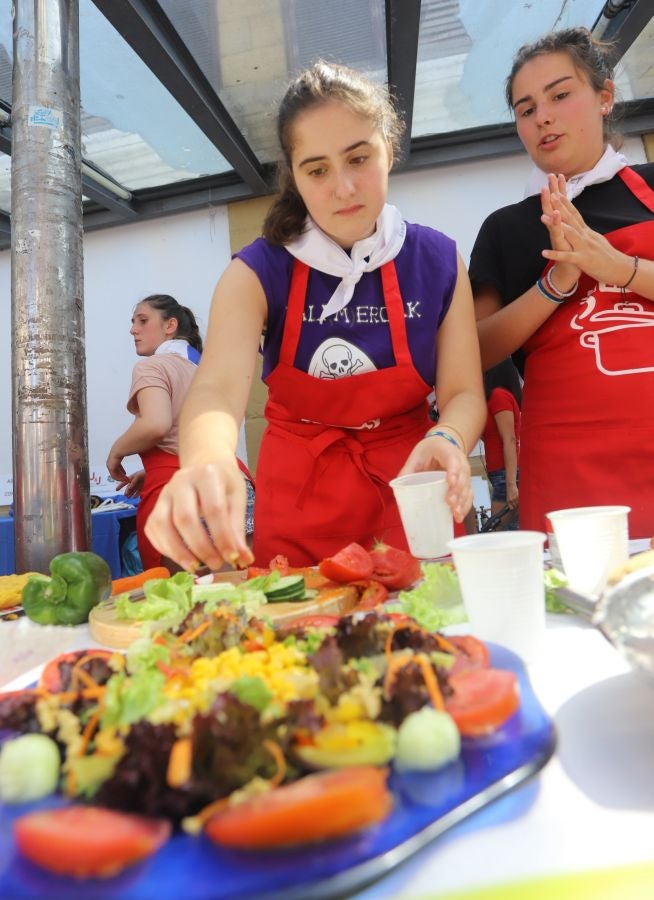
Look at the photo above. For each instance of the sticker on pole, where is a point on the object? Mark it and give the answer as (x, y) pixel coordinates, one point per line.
(44, 115)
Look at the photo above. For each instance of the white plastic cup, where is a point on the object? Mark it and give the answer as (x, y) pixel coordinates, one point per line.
(503, 588)
(426, 517)
(591, 541)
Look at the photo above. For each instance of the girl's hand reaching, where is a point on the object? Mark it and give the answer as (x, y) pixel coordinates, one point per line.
(200, 517)
(437, 453)
(577, 248)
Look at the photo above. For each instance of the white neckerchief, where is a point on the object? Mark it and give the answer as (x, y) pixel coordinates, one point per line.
(180, 346)
(320, 252)
(608, 165)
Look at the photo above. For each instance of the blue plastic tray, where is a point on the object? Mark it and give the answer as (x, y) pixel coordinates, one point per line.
(425, 807)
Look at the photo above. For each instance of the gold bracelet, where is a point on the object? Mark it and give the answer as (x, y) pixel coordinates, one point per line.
(458, 435)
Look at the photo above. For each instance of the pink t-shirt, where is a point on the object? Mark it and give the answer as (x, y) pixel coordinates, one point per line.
(173, 374)
(499, 400)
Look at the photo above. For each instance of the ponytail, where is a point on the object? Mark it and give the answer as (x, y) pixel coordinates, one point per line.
(187, 326)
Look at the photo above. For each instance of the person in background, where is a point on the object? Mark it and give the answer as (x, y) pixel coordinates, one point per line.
(166, 335)
(564, 281)
(501, 436)
(362, 315)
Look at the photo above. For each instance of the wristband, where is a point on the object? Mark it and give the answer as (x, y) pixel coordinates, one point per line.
(633, 275)
(436, 432)
(547, 294)
(547, 280)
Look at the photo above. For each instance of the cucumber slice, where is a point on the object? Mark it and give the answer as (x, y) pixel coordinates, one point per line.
(289, 587)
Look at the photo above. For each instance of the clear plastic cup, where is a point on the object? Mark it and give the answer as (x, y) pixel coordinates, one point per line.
(426, 517)
(590, 542)
(503, 588)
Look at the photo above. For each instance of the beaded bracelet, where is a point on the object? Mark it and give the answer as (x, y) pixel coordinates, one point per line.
(633, 275)
(547, 294)
(436, 432)
(547, 280)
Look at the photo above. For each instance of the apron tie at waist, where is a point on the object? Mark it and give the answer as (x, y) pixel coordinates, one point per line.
(354, 448)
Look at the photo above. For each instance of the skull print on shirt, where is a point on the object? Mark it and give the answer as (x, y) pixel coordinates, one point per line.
(336, 358)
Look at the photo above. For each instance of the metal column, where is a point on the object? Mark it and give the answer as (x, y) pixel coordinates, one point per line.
(50, 447)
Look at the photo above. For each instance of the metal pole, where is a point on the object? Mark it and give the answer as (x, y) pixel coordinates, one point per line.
(50, 447)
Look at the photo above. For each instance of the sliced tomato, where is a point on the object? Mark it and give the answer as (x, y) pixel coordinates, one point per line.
(371, 593)
(473, 653)
(315, 808)
(395, 568)
(349, 564)
(483, 699)
(312, 621)
(86, 841)
(56, 673)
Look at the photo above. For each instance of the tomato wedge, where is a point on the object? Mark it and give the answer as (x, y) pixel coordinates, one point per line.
(371, 593)
(395, 568)
(483, 700)
(315, 808)
(349, 564)
(56, 674)
(473, 653)
(87, 841)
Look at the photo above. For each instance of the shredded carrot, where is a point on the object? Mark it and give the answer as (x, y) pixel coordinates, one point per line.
(397, 626)
(179, 763)
(445, 645)
(79, 675)
(86, 694)
(431, 681)
(133, 582)
(192, 633)
(89, 730)
(195, 824)
(277, 754)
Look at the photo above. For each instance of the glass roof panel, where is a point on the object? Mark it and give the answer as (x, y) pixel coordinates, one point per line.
(465, 50)
(249, 49)
(132, 128)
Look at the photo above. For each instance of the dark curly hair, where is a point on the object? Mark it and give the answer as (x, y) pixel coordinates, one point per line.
(323, 82)
(187, 327)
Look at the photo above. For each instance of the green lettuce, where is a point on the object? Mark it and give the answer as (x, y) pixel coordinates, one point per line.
(436, 601)
(167, 601)
(554, 579)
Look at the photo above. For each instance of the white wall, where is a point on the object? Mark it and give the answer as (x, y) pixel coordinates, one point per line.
(183, 255)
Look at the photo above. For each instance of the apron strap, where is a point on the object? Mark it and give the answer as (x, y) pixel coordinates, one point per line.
(294, 309)
(395, 308)
(638, 186)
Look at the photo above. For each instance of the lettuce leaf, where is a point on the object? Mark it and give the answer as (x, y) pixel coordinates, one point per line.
(436, 601)
(166, 599)
(554, 579)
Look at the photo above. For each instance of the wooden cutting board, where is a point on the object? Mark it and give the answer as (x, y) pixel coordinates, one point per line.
(107, 629)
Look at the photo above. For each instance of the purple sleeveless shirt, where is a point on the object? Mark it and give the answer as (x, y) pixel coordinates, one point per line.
(357, 339)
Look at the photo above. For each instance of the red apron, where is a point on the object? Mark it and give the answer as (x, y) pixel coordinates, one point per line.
(160, 467)
(587, 427)
(332, 445)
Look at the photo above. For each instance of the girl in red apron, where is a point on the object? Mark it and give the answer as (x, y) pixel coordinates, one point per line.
(167, 336)
(584, 324)
(362, 314)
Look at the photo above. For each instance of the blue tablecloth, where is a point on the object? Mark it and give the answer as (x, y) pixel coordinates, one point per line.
(106, 538)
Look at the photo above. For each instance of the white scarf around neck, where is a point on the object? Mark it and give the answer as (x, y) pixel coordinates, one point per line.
(320, 252)
(608, 165)
(181, 347)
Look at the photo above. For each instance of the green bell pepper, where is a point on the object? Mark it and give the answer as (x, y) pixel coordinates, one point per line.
(78, 581)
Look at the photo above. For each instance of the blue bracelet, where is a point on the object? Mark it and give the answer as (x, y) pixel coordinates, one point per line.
(541, 287)
(435, 432)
